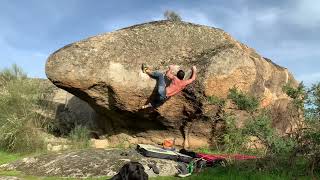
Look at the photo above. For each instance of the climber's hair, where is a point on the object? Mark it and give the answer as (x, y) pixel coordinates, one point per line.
(180, 74)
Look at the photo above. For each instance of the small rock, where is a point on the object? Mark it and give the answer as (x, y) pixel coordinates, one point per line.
(65, 147)
(49, 147)
(29, 160)
(99, 143)
(57, 148)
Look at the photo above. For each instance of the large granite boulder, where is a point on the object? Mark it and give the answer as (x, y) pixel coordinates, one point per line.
(88, 163)
(105, 71)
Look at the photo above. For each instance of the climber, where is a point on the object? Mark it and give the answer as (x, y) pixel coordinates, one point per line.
(177, 84)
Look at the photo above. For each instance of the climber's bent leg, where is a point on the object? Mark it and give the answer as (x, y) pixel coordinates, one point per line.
(160, 99)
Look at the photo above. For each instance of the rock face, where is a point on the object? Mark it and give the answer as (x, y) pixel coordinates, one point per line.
(88, 163)
(71, 111)
(105, 71)
(65, 110)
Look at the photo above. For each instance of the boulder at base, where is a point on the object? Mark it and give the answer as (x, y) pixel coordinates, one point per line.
(88, 163)
(105, 71)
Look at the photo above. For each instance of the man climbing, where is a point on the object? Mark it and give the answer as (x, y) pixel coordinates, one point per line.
(177, 84)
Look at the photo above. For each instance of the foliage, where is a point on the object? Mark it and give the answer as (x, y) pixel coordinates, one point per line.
(217, 101)
(233, 138)
(261, 127)
(80, 137)
(236, 138)
(24, 109)
(297, 94)
(172, 16)
(313, 103)
(307, 100)
(243, 101)
(9, 157)
(19, 100)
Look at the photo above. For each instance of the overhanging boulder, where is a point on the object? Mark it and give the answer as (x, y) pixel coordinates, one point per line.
(105, 71)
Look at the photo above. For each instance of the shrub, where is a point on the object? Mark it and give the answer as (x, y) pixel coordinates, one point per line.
(216, 101)
(261, 127)
(313, 103)
(297, 94)
(171, 16)
(243, 101)
(233, 137)
(18, 102)
(308, 136)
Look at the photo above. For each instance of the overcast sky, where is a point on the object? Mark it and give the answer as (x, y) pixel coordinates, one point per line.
(286, 31)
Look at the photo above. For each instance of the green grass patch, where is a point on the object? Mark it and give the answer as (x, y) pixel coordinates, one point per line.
(220, 173)
(28, 177)
(233, 173)
(9, 157)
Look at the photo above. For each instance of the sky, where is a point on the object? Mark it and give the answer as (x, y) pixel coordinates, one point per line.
(286, 31)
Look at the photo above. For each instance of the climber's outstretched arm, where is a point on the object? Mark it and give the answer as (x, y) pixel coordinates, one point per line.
(193, 77)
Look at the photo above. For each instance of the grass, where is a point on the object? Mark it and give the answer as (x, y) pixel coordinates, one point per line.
(27, 177)
(9, 157)
(234, 174)
(80, 138)
(18, 100)
(225, 173)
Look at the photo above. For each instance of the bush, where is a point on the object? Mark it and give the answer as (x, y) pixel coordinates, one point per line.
(297, 94)
(19, 100)
(80, 137)
(298, 152)
(313, 103)
(233, 138)
(171, 16)
(243, 101)
(308, 136)
(261, 127)
(217, 101)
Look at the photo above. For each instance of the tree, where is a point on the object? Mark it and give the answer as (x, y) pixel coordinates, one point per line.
(172, 16)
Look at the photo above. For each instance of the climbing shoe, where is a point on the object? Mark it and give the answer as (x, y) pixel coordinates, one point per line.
(183, 170)
(144, 67)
